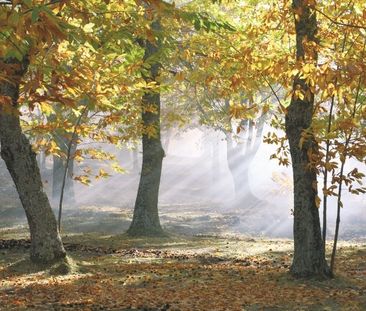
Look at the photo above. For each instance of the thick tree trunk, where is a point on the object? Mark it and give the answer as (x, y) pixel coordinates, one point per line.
(145, 220)
(16, 150)
(309, 258)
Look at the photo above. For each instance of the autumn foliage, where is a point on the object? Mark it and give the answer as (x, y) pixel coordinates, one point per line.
(113, 72)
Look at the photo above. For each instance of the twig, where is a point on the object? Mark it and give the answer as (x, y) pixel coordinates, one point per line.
(337, 22)
(274, 93)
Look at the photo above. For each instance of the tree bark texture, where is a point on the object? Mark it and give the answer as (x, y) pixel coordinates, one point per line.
(309, 258)
(145, 220)
(16, 151)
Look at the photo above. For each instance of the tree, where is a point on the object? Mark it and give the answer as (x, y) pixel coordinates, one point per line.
(309, 257)
(240, 154)
(27, 31)
(146, 217)
(59, 166)
(241, 144)
(213, 59)
(158, 45)
(16, 151)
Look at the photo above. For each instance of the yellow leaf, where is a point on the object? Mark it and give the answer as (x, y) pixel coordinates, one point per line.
(317, 201)
(179, 76)
(83, 179)
(88, 28)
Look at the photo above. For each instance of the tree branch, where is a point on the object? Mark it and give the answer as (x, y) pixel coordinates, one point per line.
(334, 21)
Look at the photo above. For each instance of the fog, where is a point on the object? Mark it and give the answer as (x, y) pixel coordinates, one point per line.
(197, 191)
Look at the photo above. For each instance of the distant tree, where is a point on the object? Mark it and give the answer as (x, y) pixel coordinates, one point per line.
(59, 166)
(240, 156)
(243, 137)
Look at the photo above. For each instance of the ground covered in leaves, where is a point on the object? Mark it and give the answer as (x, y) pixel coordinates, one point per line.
(115, 272)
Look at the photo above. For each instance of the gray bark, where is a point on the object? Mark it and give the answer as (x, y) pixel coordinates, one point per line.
(16, 151)
(145, 220)
(309, 258)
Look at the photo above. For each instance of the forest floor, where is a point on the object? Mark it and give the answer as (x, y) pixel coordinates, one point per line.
(177, 273)
(202, 270)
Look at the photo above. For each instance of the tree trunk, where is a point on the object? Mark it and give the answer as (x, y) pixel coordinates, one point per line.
(135, 159)
(237, 167)
(309, 258)
(16, 150)
(145, 220)
(69, 187)
(57, 173)
(41, 160)
(240, 158)
(59, 166)
(215, 161)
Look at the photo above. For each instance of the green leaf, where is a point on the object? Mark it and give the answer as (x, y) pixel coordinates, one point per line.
(197, 24)
(14, 54)
(28, 3)
(35, 14)
(14, 18)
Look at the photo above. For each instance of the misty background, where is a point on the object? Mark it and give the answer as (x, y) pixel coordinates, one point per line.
(197, 193)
